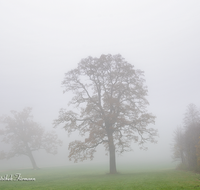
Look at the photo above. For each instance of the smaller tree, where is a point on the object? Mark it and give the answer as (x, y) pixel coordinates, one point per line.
(192, 133)
(25, 136)
(186, 141)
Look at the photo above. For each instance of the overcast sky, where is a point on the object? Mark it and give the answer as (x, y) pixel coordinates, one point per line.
(40, 40)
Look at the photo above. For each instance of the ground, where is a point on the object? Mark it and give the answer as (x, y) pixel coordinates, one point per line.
(93, 177)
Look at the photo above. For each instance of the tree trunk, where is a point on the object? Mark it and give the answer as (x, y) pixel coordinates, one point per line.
(30, 155)
(33, 161)
(113, 169)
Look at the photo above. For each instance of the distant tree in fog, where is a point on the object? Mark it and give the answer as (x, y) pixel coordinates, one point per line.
(192, 134)
(110, 100)
(186, 140)
(25, 136)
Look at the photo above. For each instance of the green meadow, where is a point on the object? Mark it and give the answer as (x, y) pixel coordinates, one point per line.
(91, 177)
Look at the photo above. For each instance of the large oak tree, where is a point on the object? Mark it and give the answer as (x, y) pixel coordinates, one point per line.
(25, 136)
(110, 107)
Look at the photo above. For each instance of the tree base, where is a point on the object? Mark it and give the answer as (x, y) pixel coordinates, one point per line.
(113, 173)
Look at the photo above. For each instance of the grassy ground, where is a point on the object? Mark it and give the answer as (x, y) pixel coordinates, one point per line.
(95, 178)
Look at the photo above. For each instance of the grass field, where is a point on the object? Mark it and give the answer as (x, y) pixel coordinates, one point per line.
(96, 178)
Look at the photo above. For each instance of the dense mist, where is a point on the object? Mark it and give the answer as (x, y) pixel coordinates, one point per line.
(40, 41)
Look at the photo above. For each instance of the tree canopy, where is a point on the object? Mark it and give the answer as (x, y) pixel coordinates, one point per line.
(110, 107)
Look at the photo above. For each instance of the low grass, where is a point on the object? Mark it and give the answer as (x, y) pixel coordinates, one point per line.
(96, 178)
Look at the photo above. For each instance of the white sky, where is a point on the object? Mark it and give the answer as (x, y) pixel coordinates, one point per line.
(40, 40)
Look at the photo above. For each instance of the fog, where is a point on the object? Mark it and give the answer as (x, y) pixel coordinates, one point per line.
(42, 40)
